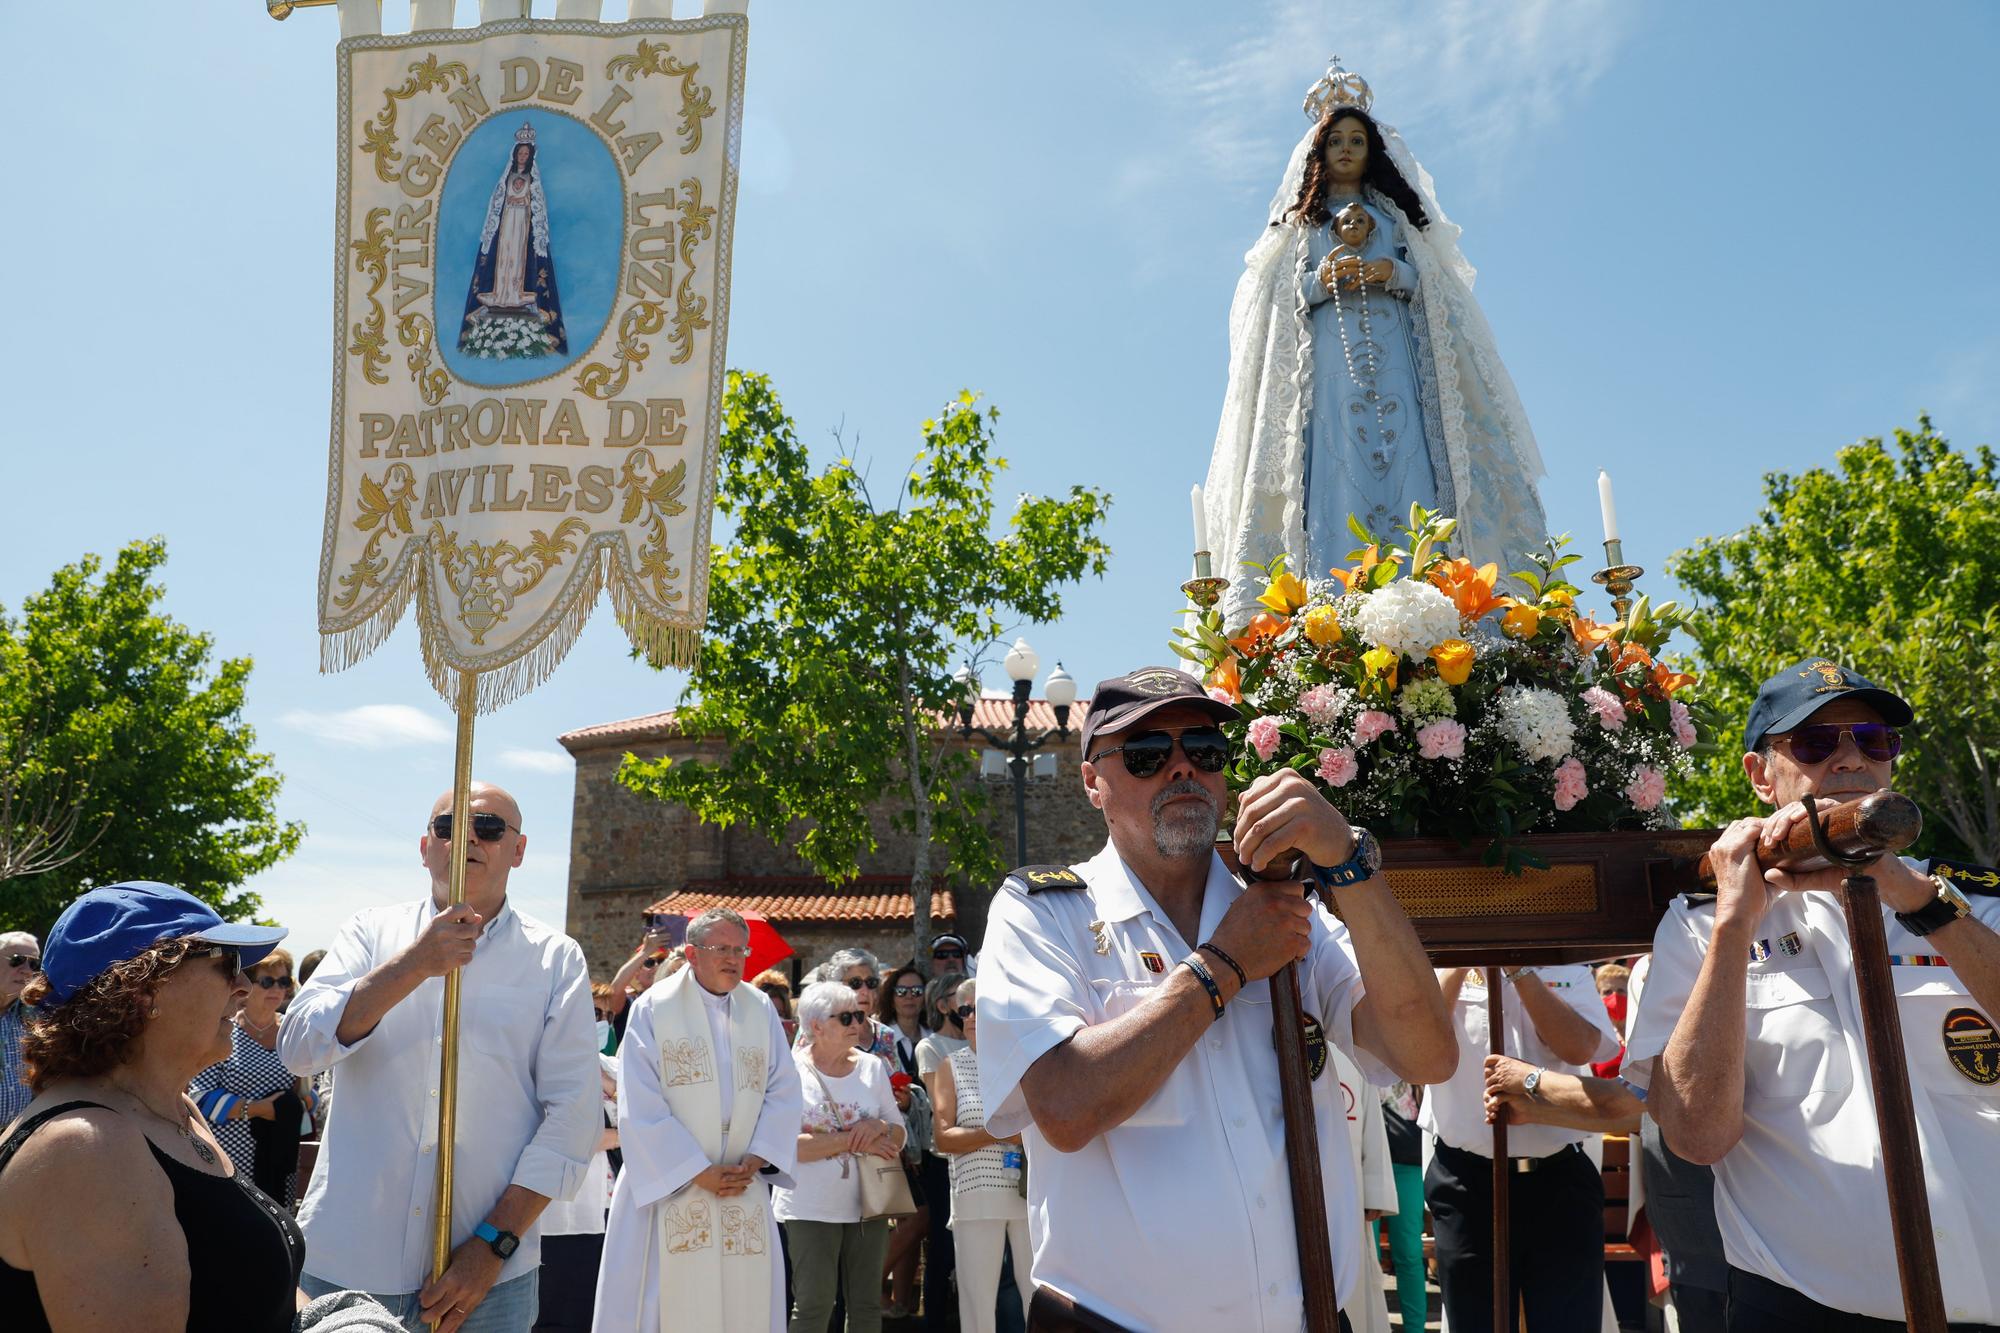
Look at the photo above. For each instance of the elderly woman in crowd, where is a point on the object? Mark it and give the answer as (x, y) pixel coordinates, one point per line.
(253, 1102)
(118, 1208)
(849, 1111)
(989, 1206)
(20, 959)
(859, 972)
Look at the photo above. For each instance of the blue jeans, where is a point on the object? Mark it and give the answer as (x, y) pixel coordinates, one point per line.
(508, 1308)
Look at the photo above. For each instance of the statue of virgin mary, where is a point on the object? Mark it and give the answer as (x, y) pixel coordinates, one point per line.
(514, 308)
(1362, 375)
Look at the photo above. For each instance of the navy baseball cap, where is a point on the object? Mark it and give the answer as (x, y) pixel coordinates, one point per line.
(111, 925)
(1123, 700)
(1787, 699)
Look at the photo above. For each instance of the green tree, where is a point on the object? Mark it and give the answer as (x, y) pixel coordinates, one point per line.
(114, 711)
(833, 628)
(1891, 564)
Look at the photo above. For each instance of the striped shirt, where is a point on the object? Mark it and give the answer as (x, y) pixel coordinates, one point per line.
(250, 1074)
(14, 1093)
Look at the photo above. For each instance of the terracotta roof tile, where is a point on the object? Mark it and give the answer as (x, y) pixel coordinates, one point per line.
(994, 712)
(869, 900)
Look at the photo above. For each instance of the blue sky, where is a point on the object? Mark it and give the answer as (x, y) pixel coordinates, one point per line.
(1714, 240)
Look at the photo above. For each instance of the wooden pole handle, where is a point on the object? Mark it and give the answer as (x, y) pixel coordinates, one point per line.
(1878, 824)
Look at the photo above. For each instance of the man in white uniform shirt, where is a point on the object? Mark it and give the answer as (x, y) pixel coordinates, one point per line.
(1749, 1040)
(1125, 1028)
(1554, 1020)
(709, 1107)
(529, 1092)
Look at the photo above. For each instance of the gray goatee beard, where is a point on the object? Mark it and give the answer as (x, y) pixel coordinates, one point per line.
(1186, 829)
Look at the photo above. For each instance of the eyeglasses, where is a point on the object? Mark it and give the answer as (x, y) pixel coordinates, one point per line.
(1148, 752)
(230, 956)
(27, 960)
(953, 953)
(1877, 741)
(650, 964)
(909, 990)
(847, 1018)
(856, 983)
(726, 950)
(485, 827)
(963, 1012)
(270, 983)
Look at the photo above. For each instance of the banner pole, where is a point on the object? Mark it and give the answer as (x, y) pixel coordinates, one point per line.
(461, 829)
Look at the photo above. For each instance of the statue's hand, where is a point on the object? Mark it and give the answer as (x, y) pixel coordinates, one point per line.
(1380, 272)
(1348, 269)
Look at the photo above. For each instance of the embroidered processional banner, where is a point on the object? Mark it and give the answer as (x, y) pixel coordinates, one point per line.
(531, 305)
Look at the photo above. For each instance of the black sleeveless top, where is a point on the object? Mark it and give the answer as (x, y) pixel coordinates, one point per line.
(244, 1252)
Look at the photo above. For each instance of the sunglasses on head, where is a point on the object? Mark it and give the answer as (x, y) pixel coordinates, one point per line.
(1815, 744)
(909, 990)
(1148, 752)
(269, 983)
(856, 983)
(486, 827)
(27, 960)
(847, 1018)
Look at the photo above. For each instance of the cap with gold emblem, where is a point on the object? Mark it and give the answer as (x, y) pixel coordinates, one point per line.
(1787, 699)
(1121, 701)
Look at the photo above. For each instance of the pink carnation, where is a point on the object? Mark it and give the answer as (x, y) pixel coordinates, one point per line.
(1570, 784)
(1337, 767)
(1647, 788)
(1610, 713)
(1321, 704)
(1681, 723)
(1371, 724)
(1220, 695)
(1264, 736)
(1443, 739)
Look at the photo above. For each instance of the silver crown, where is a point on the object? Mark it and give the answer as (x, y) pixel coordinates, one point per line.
(526, 134)
(1338, 88)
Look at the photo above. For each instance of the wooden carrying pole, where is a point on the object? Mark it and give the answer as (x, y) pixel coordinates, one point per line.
(461, 838)
(1502, 1248)
(1288, 1032)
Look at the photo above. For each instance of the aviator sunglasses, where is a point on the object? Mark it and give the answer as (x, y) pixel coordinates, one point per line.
(485, 826)
(27, 960)
(1877, 741)
(1148, 752)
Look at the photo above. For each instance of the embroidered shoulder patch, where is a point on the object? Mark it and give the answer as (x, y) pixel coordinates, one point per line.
(1038, 879)
(1968, 879)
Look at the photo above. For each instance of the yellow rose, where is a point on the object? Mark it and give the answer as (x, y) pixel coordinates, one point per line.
(1559, 597)
(1523, 622)
(1322, 626)
(1454, 659)
(1382, 663)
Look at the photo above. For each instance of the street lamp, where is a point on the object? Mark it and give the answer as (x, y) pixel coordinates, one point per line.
(1019, 742)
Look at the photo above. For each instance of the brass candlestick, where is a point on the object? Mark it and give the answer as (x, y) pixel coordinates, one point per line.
(1204, 590)
(1618, 577)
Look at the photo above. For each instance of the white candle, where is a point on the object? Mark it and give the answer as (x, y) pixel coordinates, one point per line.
(1200, 519)
(1608, 506)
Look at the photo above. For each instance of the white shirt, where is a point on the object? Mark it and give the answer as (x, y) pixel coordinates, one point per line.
(1117, 1225)
(829, 1190)
(1800, 1198)
(582, 1214)
(1455, 1111)
(528, 1094)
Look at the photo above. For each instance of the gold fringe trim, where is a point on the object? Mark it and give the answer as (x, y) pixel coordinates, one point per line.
(663, 643)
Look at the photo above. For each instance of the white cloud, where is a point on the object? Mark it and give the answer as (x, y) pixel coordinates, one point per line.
(372, 727)
(536, 761)
(1468, 73)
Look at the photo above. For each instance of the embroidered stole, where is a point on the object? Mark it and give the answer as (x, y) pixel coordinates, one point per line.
(715, 1265)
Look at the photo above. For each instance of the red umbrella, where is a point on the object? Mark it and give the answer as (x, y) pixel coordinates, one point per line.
(767, 946)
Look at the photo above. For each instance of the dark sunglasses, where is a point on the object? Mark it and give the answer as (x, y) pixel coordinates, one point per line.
(269, 983)
(29, 961)
(847, 1018)
(1815, 744)
(1148, 752)
(963, 1012)
(856, 983)
(485, 827)
(230, 956)
(650, 963)
(909, 990)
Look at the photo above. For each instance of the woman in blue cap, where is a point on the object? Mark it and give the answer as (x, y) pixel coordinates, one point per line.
(117, 1208)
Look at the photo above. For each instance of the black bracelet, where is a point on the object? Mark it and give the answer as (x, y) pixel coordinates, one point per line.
(1234, 966)
(1201, 974)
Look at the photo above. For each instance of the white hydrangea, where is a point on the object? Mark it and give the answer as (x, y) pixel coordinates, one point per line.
(1408, 617)
(1537, 721)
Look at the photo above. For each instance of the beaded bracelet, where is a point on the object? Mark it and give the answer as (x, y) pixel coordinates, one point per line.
(1241, 978)
(1201, 974)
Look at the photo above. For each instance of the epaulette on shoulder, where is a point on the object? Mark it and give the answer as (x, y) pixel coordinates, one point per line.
(1967, 878)
(1698, 899)
(1039, 879)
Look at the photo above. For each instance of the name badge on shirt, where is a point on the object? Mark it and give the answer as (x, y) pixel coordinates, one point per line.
(1315, 1045)
(1971, 1046)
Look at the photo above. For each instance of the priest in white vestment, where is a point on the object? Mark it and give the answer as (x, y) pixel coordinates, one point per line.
(709, 1107)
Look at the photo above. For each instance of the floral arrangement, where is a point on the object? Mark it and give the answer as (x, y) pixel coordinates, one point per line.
(1427, 703)
(505, 337)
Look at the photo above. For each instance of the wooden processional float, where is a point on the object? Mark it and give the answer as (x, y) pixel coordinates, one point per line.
(528, 374)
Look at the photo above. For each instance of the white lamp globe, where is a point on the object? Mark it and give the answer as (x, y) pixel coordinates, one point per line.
(1061, 688)
(1021, 661)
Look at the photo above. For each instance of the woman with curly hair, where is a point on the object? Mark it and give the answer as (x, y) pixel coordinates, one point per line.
(118, 1209)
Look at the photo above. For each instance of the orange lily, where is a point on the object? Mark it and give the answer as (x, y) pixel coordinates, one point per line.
(1262, 627)
(1227, 678)
(1284, 594)
(1522, 622)
(1589, 634)
(1470, 588)
(1357, 577)
(1666, 682)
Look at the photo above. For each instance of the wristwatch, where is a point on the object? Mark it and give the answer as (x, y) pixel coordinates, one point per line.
(1947, 907)
(502, 1243)
(1532, 1085)
(1362, 865)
